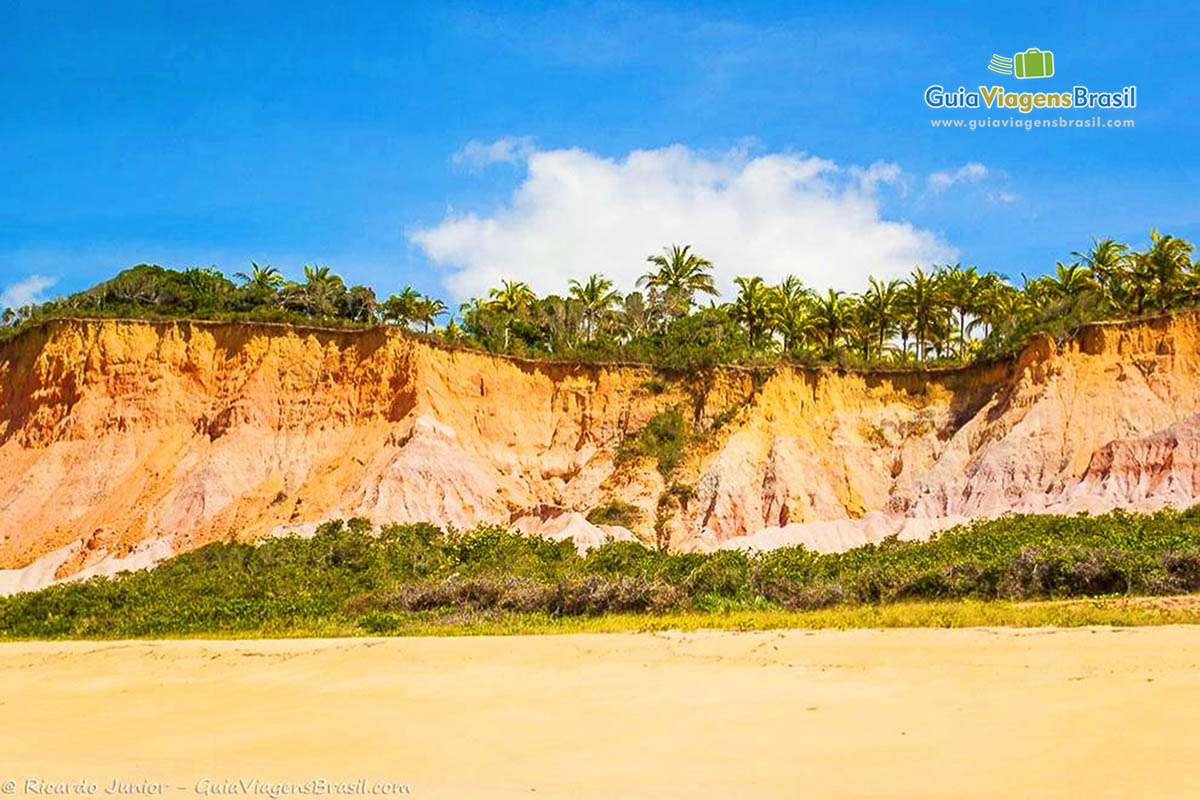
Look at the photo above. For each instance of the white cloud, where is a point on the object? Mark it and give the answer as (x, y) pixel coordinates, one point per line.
(576, 213)
(26, 291)
(971, 172)
(886, 172)
(476, 155)
(1003, 197)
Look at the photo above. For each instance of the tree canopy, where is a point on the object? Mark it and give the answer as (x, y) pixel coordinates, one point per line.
(939, 314)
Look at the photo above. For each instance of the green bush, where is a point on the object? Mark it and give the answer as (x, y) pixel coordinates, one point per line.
(350, 575)
(615, 512)
(663, 438)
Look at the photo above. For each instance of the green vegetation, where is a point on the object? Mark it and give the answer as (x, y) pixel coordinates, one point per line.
(945, 315)
(615, 512)
(663, 438)
(415, 578)
(909, 614)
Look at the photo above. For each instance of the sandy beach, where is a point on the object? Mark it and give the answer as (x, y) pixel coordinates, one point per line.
(897, 713)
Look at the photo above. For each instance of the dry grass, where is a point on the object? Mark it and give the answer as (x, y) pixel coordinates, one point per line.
(1103, 612)
(1115, 612)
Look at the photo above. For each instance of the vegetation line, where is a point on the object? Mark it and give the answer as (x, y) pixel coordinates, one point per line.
(404, 579)
(941, 316)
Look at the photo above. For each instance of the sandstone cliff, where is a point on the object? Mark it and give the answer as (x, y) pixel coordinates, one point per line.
(124, 441)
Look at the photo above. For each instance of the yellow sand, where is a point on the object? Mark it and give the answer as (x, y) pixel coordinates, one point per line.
(888, 714)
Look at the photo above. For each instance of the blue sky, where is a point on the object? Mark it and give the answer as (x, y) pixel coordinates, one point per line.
(362, 135)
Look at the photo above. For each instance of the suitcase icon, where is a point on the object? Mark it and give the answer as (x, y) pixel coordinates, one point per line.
(1033, 63)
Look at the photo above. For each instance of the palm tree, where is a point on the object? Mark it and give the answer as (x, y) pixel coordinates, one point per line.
(1070, 280)
(922, 299)
(998, 303)
(452, 333)
(1122, 293)
(879, 305)
(597, 298)
(401, 309)
(830, 318)
(680, 274)
(961, 287)
(941, 334)
(476, 317)
(1108, 260)
(1161, 268)
(314, 275)
(427, 310)
(267, 278)
(988, 290)
(791, 317)
(753, 308)
(861, 331)
(511, 298)
(904, 329)
(320, 289)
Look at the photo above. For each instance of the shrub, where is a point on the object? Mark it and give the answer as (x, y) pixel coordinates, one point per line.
(806, 597)
(621, 558)
(724, 574)
(1065, 572)
(348, 574)
(663, 439)
(1183, 569)
(615, 512)
(598, 595)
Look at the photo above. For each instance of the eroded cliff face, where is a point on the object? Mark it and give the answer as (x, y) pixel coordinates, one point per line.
(121, 441)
